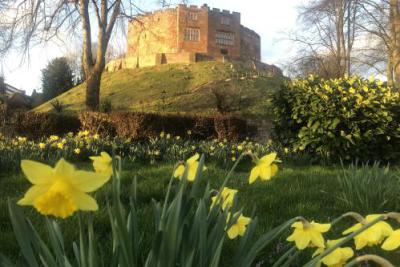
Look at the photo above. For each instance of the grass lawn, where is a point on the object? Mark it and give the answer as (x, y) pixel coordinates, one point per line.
(314, 192)
(175, 88)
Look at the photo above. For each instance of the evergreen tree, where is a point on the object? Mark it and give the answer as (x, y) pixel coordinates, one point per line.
(57, 78)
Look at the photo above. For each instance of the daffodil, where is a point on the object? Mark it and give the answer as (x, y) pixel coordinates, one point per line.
(77, 151)
(238, 228)
(102, 163)
(308, 234)
(62, 190)
(265, 168)
(42, 145)
(393, 241)
(60, 145)
(226, 198)
(338, 257)
(373, 235)
(192, 164)
(54, 138)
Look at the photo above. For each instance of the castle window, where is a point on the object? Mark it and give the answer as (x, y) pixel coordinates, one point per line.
(225, 38)
(225, 21)
(192, 16)
(192, 34)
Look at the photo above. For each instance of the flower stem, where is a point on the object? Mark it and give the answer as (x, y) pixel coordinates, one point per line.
(369, 257)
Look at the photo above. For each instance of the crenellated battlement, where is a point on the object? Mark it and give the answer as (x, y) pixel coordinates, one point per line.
(205, 6)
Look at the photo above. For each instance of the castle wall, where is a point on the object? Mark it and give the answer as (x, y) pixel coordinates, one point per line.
(201, 23)
(216, 26)
(250, 45)
(152, 34)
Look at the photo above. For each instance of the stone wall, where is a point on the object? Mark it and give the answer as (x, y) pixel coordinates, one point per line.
(200, 23)
(250, 44)
(215, 25)
(152, 34)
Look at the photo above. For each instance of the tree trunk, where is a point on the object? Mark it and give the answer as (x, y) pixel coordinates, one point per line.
(394, 20)
(93, 89)
(389, 68)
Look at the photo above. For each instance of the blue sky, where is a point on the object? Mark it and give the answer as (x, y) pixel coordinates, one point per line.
(269, 18)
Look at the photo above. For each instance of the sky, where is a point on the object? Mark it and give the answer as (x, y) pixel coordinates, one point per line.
(269, 18)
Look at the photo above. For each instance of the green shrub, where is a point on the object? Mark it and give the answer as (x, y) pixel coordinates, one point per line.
(348, 118)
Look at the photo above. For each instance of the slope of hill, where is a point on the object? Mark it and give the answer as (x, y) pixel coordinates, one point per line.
(184, 88)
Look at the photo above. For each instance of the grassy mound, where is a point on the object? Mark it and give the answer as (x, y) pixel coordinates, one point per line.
(179, 88)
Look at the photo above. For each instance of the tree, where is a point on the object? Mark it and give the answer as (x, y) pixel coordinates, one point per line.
(328, 30)
(29, 22)
(57, 78)
(381, 22)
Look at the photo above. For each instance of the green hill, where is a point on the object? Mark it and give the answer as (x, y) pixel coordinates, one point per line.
(183, 88)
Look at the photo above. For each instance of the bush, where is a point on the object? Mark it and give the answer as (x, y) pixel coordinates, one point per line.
(232, 128)
(37, 125)
(134, 125)
(348, 118)
(96, 122)
(143, 125)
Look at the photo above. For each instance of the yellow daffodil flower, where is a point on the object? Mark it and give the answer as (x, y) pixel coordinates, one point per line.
(62, 190)
(239, 228)
(192, 164)
(336, 258)
(308, 234)
(265, 169)
(373, 235)
(227, 197)
(60, 145)
(239, 147)
(77, 151)
(54, 138)
(42, 145)
(96, 136)
(392, 242)
(102, 163)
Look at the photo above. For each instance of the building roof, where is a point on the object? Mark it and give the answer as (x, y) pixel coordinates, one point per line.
(12, 90)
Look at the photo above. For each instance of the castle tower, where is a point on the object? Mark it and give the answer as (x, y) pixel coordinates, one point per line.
(189, 34)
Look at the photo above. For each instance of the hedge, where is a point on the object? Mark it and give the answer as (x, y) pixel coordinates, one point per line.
(135, 125)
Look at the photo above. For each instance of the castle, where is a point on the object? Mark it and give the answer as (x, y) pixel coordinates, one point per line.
(187, 34)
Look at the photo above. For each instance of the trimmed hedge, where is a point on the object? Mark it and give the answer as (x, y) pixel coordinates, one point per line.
(348, 118)
(132, 124)
(36, 125)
